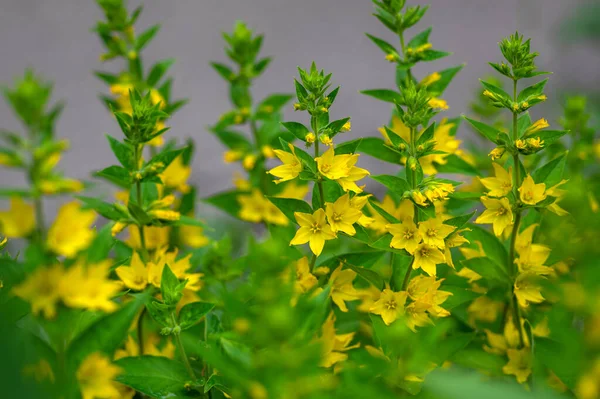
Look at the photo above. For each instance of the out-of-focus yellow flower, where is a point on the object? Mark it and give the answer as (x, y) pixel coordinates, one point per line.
(175, 176)
(484, 309)
(527, 289)
(41, 371)
(134, 276)
(334, 345)
(404, 211)
(342, 289)
(438, 103)
(71, 231)
(41, 290)
(249, 161)
(305, 280)
(19, 220)
(430, 79)
(156, 237)
(193, 236)
(89, 287)
(96, 376)
(519, 364)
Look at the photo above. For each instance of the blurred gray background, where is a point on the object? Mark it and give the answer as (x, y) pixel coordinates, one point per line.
(54, 37)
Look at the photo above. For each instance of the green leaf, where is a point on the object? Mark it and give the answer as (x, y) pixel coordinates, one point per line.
(335, 126)
(103, 208)
(227, 202)
(349, 147)
(160, 313)
(459, 221)
(271, 104)
(145, 37)
(420, 39)
(297, 129)
(438, 87)
(487, 268)
(393, 183)
(426, 135)
(455, 164)
(115, 174)
(138, 213)
(376, 148)
(493, 248)
(192, 313)
(223, 70)
(158, 71)
(165, 158)
(478, 359)
(155, 376)
(549, 136)
(551, 173)
(386, 95)
(170, 287)
(486, 131)
(290, 205)
(390, 218)
(123, 152)
(372, 277)
(532, 91)
(233, 140)
(496, 90)
(432, 55)
(382, 44)
(105, 335)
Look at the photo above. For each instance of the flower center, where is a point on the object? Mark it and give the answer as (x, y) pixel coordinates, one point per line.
(424, 252)
(316, 227)
(408, 234)
(528, 196)
(325, 168)
(391, 304)
(432, 232)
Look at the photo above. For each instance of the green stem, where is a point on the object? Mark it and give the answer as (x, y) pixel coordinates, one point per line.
(416, 217)
(403, 47)
(263, 176)
(140, 331)
(515, 230)
(39, 217)
(313, 260)
(184, 357)
(315, 125)
(137, 153)
(407, 275)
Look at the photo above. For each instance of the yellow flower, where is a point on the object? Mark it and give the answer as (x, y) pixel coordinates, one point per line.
(498, 212)
(354, 174)
(305, 280)
(71, 230)
(406, 235)
(179, 267)
(402, 212)
(527, 289)
(484, 309)
(19, 220)
(267, 151)
(429, 79)
(96, 376)
(398, 128)
(193, 236)
(537, 126)
(41, 290)
(334, 166)
(231, 156)
(310, 137)
(532, 259)
(519, 364)
(367, 297)
(256, 208)
(347, 127)
(249, 161)
(156, 237)
(176, 174)
(291, 167)
(89, 287)
(334, 345)
(358, 203)
(325, 139)
(41, 371)
(313, 229)
(501, 184)
(531, 193)
(497, 153)
(438, 103)
(390, 305)
(434, 231)
(419, 198)
(341, 216)
(134, 276)
(293, 190)
(427, 257)
(342, 289)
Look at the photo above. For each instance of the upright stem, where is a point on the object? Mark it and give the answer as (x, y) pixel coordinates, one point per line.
(315, 125)
(515, 230)
(416, 217)
(140, 331)
(263, 176)
(138, 149)
(184, 357)
(403, 47)
(39, 216)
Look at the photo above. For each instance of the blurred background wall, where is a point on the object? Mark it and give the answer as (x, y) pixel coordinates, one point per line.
(54, 37)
